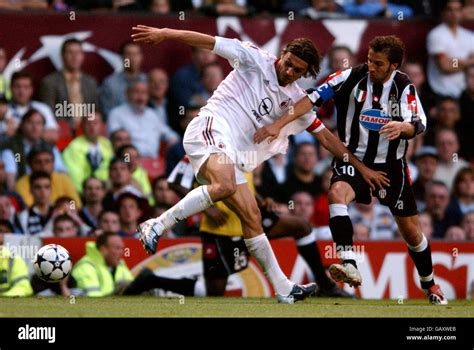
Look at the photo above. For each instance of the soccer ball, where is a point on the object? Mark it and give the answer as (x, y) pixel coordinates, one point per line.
(52, 263)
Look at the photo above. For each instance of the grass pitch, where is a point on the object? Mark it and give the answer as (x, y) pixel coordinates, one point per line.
(226, 307)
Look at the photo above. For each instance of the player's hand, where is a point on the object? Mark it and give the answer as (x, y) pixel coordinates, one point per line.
(148, 35)
(217, 216)
(392, 130)
(375, 178)
(270, 131)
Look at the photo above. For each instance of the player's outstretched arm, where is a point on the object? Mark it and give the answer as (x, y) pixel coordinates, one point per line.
(329, 141)
(273, 130)
(151, 35)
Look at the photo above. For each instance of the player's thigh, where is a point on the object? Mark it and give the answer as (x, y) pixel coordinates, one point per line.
(244, 205)
(219, 171)
(409, 228)
(290, 226)
(347, 184)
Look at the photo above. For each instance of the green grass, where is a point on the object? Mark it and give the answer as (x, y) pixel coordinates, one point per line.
(226, 307)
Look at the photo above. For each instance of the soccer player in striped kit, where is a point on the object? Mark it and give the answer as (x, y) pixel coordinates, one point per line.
(378, 111)
(219, 141)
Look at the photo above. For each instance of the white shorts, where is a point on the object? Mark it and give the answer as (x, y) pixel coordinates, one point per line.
(206, 135)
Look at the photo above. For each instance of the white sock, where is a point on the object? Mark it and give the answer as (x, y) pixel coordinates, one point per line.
(200, 288)
(261, 250)
(194, 202)
(311, 238)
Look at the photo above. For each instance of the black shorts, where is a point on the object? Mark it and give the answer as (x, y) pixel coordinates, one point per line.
(399, 197)
(223, 255)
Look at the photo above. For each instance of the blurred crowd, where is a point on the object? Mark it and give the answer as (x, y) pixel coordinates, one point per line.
(66, 172)
(314, 9)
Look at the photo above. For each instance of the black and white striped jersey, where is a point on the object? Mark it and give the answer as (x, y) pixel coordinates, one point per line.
(363, 107)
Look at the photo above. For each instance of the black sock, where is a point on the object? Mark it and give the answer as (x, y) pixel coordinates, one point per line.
(423, 264)
(342, 231)
(310, 254)
(148, 280)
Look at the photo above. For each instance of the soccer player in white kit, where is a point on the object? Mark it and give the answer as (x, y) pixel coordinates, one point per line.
(219, 142)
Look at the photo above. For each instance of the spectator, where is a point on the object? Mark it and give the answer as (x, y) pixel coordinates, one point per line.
(361, 232)
(89, 154)
(158, 83)
(451, 50)
(468, 225)
(437, 201)
(8, 213)
(114, 87)
(4, 84)
(109, 220)
(426, 160)
(163, 194)
(425, 222)
(132, 211)
(160, 7)
(466, 125)
(376, 217)
(321, 9)
(447, 116)
(65, 227)
(66, 206)
(211, 76)
(227, 8)
(15, 198)
(34, 219)
(8, 125)
(375, 8)
(41, 158)
(302, 176)
(93, 194)
(70, 85)
(186, 81)
(271, 176)
(449, 161)
(462, 197)
(119, 138)
(321, 203)
(145, 128)
(455, 234)
(29, 134)
(15, 276)
(416, 73)
(129, 154)
(303, 206)
(102, 272)
(468, 10)
(120, 182)
(22, 102)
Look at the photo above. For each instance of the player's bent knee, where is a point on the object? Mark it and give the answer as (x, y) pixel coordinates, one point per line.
(337, 193)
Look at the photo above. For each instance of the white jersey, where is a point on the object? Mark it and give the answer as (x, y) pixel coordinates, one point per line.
(250, 97)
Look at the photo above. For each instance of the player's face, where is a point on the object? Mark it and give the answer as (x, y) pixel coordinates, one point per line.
(380, 67)
(290, 68)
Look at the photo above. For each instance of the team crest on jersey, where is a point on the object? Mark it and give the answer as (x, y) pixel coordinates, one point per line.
(285, 104)
(374, 119)
(221, 145)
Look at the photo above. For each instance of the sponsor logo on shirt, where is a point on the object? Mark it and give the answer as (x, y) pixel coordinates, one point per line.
(374, 119)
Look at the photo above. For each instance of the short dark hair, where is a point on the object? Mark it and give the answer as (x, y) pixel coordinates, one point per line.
(69, 42)
(303, 144)
(28, 115)
(118, 160)
(65, 217)
(21, 75)
(447, 2)
(38, 175)
(124, 45)
(121, 151)
(103, 239)
(104, 212)
(305, 49)
(84, 183)
(390, 45)
(38, 149)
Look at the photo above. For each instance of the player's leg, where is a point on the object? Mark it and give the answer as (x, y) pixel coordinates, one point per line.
(301, 230)
(219, 172)
(244, 204)
(345, 183)
(420, 252)
(401, 201)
